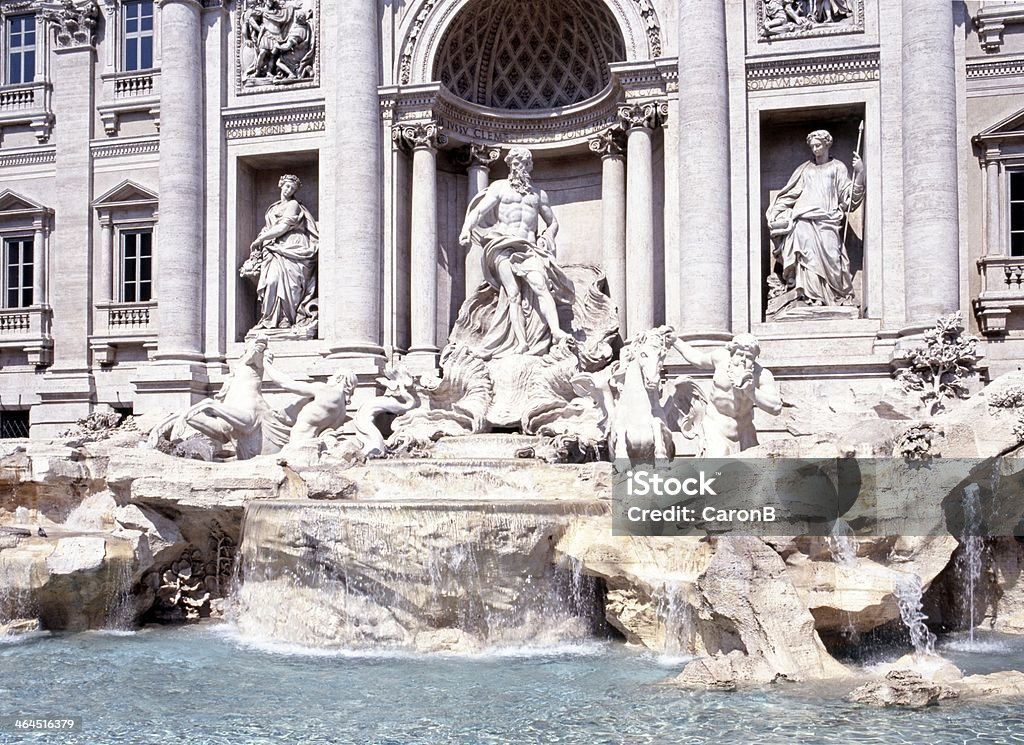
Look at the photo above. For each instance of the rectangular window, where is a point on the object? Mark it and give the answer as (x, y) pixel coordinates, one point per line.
(138, 34)
(1016, 213)
(18, 272)
(21, 49)
(136, 266)
(13, 423)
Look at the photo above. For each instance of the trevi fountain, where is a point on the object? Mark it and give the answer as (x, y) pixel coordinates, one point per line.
(563, 502)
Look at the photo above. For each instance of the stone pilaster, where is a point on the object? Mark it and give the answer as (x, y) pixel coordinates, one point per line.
(639, 121)
(424, 140)
(68, 390)
(352, 200)
(103, 285)
(610, 147)
(931, 229)
(993, 239)
(705, 223)
(481, 157)
(39, 262)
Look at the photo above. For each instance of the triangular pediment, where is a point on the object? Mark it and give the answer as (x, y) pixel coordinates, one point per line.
(125, 193)
(1011, 126)
(13, 202)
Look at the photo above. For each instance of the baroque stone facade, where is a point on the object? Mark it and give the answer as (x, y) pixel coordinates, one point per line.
(143, 145)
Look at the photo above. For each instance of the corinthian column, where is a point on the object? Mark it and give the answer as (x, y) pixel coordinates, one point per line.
(639, 121)
(479, 171)
(931, 228)
(423, 139)
(351, 175)
(180, 272)
(613, 217)
(705, 223)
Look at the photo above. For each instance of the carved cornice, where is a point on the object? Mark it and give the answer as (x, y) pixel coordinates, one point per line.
(74, 22)
(646, 80)
(647, 115)
(992, 20)
(420, 135)
(466, 123)
(808, 71)
(125, 149)
(608, 142)
(995, 69)
(17, 6)
(273, 123)
(28, 158)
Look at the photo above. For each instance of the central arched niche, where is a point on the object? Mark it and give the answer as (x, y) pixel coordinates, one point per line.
(529, 54)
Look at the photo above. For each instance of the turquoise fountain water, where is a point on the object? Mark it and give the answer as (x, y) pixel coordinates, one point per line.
(208, 686)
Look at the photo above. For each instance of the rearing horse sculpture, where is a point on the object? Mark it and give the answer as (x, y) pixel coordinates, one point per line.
(637, 426)
(238, 414)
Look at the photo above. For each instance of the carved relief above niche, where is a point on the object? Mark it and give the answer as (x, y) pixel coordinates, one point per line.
(277, 44)
(798, 19)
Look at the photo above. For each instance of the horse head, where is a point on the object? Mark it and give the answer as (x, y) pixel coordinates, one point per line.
(647, 351)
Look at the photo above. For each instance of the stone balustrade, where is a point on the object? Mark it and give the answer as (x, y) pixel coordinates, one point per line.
(28, 330)
(1002, 290)
(126, 93)
(27, 104)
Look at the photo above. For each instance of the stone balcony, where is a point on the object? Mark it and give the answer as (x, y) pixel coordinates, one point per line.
(129, 93)
(28, 330)
(122, 324)
(28, 104)
(1002, 292)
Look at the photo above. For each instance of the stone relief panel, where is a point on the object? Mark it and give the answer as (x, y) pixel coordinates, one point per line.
(278, 44)
(794, 19)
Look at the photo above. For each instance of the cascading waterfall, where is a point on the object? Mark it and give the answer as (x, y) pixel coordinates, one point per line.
(15, 605)
(842, 547)
(971, 561)
(411, 575)
(909, 592)
(120, 610)
(17, 602)
(842, 544)
(676, 620)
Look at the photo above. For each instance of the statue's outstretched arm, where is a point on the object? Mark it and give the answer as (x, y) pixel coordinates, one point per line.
(767, 395)
(693, 355)
(290, 384)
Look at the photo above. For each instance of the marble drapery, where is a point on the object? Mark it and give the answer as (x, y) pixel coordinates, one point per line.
(812, 209)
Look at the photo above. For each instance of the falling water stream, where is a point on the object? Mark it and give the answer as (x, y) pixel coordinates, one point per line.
(676, 619)
(970, 564)
(909, 593)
